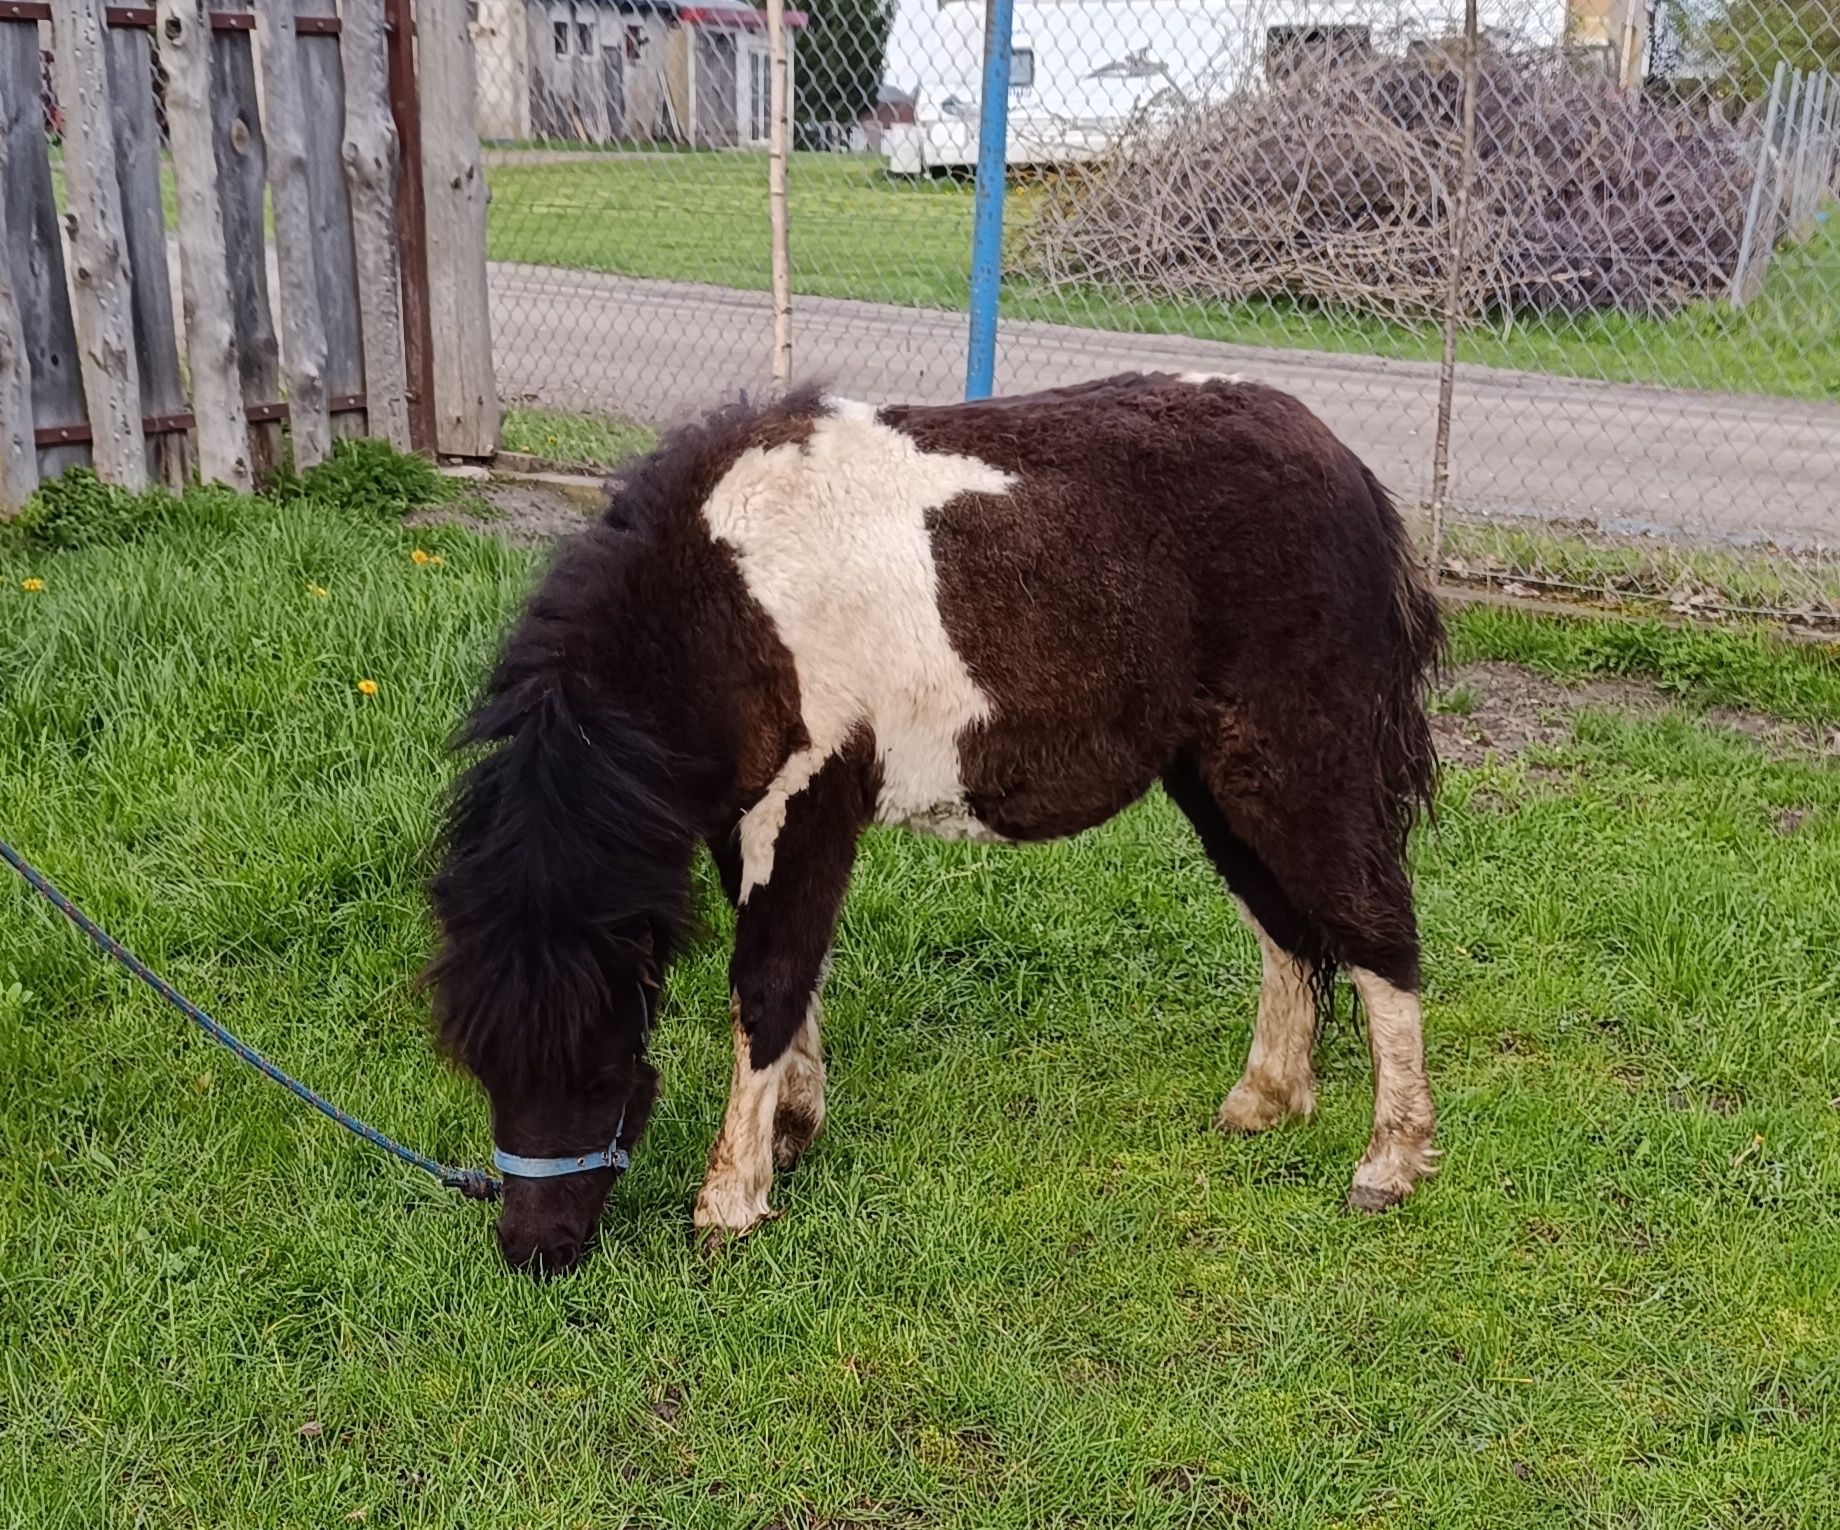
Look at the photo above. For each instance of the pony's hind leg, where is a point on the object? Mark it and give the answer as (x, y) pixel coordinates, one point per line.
(1400, 1152)
(1339, 873)
(1280, 1078)
(1279, 1081)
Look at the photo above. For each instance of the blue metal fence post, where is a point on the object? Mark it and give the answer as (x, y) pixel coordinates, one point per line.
(987, 227)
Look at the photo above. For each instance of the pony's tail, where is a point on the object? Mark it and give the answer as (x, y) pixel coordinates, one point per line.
(1406, 755)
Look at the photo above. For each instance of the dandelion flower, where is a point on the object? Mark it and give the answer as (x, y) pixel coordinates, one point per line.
(418, 556)
(317, 589)
(367, 687)
(32, 586)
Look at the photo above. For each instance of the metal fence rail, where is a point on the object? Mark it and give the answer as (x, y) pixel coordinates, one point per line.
(1641, 293)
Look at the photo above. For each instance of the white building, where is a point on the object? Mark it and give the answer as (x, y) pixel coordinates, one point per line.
(1083, 68)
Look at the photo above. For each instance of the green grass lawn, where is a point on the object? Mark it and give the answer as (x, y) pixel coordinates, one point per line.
(1017, 1283)
(574, 439)
(858, 234)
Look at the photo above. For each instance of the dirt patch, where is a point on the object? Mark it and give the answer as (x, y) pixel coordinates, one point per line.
(525, 513)
(1501, 711)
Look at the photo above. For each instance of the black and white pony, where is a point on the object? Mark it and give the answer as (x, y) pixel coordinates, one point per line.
(1002, 620)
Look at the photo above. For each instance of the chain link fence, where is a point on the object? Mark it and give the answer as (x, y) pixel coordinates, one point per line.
(1570, 281)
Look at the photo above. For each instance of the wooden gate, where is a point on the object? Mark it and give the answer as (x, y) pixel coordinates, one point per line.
(182, 126)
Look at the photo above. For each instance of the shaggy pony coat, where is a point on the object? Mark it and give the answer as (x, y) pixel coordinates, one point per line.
(1004, 620)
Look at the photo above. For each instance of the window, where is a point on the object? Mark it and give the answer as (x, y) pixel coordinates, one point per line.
(584, 38)
(635, 43)
(1021, 68)
(561, 29)
(760, 96)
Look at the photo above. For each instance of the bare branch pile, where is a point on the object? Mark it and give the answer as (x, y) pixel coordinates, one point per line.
(1338, 186)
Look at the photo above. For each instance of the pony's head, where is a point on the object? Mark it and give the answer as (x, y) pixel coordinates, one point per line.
(562, 888)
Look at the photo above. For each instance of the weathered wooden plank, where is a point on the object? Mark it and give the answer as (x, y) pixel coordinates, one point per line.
(465, 390)
(18, 455)
(303, 337)
(98, 245)
(370, 175)
(236, 128)
(137, 163)
(204, 274)
(335, 261)
(35, 251)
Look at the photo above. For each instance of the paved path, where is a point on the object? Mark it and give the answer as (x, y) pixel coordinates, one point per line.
(1630, 458)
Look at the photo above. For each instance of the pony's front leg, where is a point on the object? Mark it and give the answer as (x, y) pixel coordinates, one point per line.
(797, 846)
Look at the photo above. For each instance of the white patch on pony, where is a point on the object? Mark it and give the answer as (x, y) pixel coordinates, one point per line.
(1201, 379)
(832, 541)
(761, 825)
(733, 1198)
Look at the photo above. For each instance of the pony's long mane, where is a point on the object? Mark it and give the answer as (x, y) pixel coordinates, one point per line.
(565, 851)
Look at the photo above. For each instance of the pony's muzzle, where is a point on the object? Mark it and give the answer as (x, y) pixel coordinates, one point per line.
(547, 1225)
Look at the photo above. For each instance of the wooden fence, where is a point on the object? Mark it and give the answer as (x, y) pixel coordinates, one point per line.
(183, 125)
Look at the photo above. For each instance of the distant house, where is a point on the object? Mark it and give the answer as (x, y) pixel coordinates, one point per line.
(645, 71)
(893, 107)
(1613, 34)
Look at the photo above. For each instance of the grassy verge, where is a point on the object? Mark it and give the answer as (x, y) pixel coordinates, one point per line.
(570, 439)
(1016, 1284)
(859, 234)
(1570, 563)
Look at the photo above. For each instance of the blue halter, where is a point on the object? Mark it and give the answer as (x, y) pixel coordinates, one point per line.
(612, 1156)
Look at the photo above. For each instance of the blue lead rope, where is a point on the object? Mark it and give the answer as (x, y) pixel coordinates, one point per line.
(473, 1183)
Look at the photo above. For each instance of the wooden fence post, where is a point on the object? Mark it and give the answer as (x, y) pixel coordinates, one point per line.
(242, 174)
(454, 184)
(303, 334)
(35, 254)
(1458, 256)
(370, 174)
(18, 453)
(156, 336)
(98, 254)
(402, 45)
(335, 261)
(204, 274)
(778, 90)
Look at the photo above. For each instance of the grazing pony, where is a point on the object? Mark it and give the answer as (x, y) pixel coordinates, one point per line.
(1002, 621)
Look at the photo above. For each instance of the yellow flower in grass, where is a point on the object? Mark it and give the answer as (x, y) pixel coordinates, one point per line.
(318, 590)
(367, 687)
(32, 586)
(419, 556)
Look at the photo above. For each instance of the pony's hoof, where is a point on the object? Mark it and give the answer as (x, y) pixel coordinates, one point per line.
(713, 1242)
(1246, 1111)
(1371, 1199)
